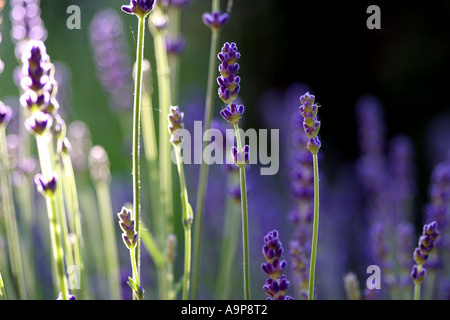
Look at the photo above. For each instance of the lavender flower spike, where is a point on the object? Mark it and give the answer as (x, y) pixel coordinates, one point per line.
(425, 246)
(126, 223)
(277, 284)
(228, 81)
(311, 125)
(175, 118)
(140, 8)
(215, 20)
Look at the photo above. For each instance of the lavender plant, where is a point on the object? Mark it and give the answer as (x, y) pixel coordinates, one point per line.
(175, 118)
(425, 246)
(301, 216)
(215, 21)
(141, 9)
(228, 90)
(277, 284)
(311, 125)
(158, 28)
(40, 89)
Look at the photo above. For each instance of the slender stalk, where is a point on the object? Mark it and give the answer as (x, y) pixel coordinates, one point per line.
(187, 219)
(2, 288)
(165, 163)
(12, 231)
(109, 239)
(62, 220)
(204, 170)
(244, 209)
(44, 147)
(417, 286)
(136, 138)
(71, 197)
(151, 157)
(229, 243)
(312, 266)
(174, 60)
(151, 246)
(134, 271)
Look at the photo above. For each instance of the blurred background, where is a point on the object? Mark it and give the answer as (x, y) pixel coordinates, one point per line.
(287, 47)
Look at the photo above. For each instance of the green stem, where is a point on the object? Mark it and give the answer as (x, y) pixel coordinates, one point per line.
(134, 270)
(204, 170)
(2, 288)
(12, 230)
(45, 158)
(136, 137)
(187, 218)
(244, 209)
(62, 219)
(229, 243)
(71, 196)
(151, 246)
(417, 286)
(109, 239)
(174, 59)
(312, 266)
(165, 163)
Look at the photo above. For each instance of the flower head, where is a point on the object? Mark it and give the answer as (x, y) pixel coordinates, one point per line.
(127, 225)
(229, 82)
(425, 246)
(216, 19)
(140, 8)
(175, 118)
(311, 125)
(277, 284)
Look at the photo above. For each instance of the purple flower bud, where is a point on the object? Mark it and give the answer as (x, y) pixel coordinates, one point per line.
(232, 113)
(63, 146)
(5, 114)
(419, 257)
(215, 20)
(175, 118)
(70, 297)
(417, 276)
(38, 123)
(140, 8)
(44, 186)
(241, 158)
(314, 145)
